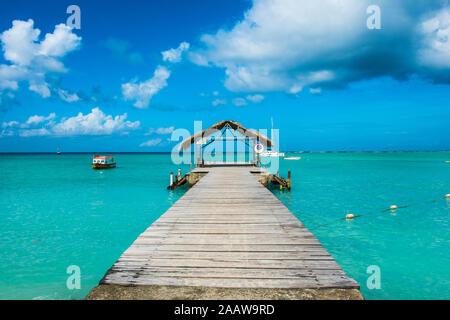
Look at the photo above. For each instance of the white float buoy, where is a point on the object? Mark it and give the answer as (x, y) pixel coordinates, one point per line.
(447, 195)
(350, 216)
(393, 207)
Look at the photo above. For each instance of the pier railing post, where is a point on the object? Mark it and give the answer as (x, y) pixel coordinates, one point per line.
(289, 180)
(171, 178)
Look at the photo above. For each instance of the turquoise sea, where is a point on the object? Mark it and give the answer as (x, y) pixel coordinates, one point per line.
(55, 211)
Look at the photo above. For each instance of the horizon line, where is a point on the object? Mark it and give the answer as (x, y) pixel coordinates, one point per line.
(168, 152)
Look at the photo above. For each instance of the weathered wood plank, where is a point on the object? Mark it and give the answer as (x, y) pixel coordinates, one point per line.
(228, 283)
(230, 247)
(317, 255)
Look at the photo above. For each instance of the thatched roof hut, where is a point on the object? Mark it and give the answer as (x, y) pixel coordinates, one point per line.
(251, 134)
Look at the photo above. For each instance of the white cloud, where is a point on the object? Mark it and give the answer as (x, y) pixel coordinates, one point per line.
(38, 119)
(19, 42)
(198, 59)
(256, 98)
(41, 88)
(151, 143)
(32, 60)
(60, 42)
(315, 90)
(174, 55)
(217, 102)
(161, 130)
(142, 92)
(276, 37)
(436, 31)
(165, 130)
(10, 124)
(68, 97)
(286, 45)
(9, 76)
(94, 123)
(239, 102)
(34, 132)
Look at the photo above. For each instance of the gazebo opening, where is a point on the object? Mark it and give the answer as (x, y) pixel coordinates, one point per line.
(226, 143)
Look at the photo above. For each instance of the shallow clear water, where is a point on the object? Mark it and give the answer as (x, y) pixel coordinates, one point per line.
(56, 211)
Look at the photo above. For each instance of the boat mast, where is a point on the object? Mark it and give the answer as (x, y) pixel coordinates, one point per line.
(271, 132)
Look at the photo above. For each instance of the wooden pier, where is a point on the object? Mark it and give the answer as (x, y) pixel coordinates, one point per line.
(228, 233)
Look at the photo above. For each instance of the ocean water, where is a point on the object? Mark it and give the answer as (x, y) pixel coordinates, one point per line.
(55, 211)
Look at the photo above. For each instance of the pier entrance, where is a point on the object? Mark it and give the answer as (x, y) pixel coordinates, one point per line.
(228, 237)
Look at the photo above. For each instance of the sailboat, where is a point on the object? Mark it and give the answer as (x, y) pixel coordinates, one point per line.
(58, 152)
(269, 152)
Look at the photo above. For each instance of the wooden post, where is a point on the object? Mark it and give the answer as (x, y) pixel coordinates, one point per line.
(289, 180)
(278, 173)
(171, 178)
(179, 173)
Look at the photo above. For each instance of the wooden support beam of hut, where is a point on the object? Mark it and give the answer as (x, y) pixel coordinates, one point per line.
(246, 133)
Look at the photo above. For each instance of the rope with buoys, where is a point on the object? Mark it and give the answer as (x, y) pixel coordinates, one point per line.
(392, 208)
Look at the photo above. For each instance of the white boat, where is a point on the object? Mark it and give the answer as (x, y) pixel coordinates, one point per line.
(291, 158)
(271, 153)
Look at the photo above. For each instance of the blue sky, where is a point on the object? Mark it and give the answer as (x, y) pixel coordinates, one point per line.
(137, 70)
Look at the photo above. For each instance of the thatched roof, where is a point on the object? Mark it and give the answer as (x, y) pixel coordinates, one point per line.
(252, 134)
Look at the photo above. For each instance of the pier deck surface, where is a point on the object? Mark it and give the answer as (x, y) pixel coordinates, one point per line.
(228, 231)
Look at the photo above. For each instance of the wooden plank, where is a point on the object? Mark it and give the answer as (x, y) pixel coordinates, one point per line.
(227, 283)
(229, 263)
(323, 274)
(292, 255)
(239, 247)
